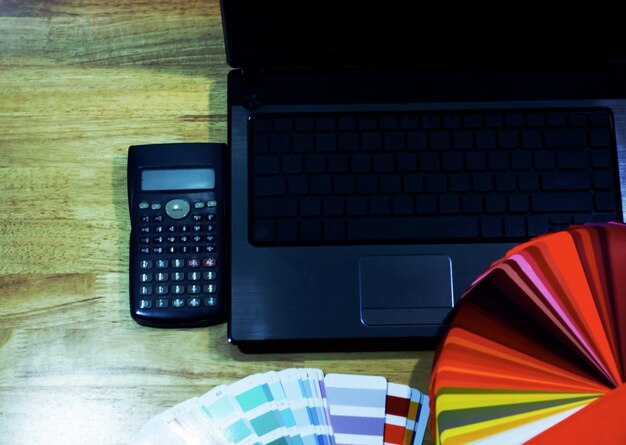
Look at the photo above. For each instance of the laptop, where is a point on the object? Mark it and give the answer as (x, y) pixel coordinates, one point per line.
(382, 159)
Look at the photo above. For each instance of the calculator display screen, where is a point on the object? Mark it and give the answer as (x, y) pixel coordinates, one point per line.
(178, 179)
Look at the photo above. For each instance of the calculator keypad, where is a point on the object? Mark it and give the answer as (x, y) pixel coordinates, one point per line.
(178, 261)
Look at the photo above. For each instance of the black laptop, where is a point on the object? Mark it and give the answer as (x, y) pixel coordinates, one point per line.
(382, 159)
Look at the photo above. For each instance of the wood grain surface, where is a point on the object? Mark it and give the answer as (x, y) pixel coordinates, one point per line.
(80, 81)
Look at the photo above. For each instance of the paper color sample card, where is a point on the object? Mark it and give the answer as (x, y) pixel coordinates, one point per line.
(535, 349)
(357, 408)
(295, 406)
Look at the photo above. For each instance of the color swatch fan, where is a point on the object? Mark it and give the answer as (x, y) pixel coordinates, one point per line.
(295, 407)
(536, 350)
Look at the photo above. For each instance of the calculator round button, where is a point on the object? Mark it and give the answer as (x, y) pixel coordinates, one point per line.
(177, 208)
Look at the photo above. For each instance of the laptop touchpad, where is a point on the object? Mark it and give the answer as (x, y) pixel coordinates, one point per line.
(405, 289)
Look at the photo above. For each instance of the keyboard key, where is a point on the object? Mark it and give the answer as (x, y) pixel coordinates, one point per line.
(280, 143)
(424, 228)
(274, 186)
(303, 142)
(562, 202)
(566, 181)
(514, 226)
(491, 226)
(565, 137)
(537, 224)
(275, 207)
(311, 230)
(334, 230)
(439, 140)
(333, 206)
(356, 206)
(402, 205)
(310, 206)
(380, 205)
(266, 165)
(287, 230)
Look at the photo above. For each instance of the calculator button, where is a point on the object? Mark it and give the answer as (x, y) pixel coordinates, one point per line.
(212, 275)
(197, 239)
(184, 239)
(193, 262)
(210, 238)
(196, 218)
(210, 227)
(184, 249)
(157, 250)
(210, 249)
(198, 205)
(145, 264)
(184, 228)
(144, 229)
(171, 239)
(210, 217)
(193, 289)
(161, 289)
(211, 203)
(210, 288)
(178, 289)
(209, 262)
(194, 302)
(155, 206)
(171, 229)
(145, 240)
(145, 304)
(145, 219)
(178, 263)
(145, 277)
(210, 301)
(178, 302)
(193, 276)
(196, 228)
(177, 208)
(162, 264)
(158, 218)
(145, 250)
(162, 303)
(171, 249)
(157, 239)
(145, 290)
(178, 276)
(144, 204)
(161, 276)
(196, 249)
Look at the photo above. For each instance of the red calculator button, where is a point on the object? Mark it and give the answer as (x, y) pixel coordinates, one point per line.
(209, 262)
(193, 262)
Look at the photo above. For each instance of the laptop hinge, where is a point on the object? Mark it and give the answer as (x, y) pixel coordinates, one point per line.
(252, 81)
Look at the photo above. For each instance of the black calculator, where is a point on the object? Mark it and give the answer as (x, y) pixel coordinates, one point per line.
(177, 196)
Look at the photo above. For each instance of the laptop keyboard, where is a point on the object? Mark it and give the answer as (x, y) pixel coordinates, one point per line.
(415, 177)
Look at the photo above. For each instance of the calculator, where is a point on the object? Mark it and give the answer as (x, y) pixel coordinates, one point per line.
(177, 196)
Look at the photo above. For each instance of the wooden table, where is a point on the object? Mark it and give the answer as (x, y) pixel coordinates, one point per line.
(80, 82)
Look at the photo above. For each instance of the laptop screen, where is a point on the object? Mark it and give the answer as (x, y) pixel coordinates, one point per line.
(270, 33)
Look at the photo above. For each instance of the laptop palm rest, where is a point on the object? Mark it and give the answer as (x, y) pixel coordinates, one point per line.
(405, 289)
